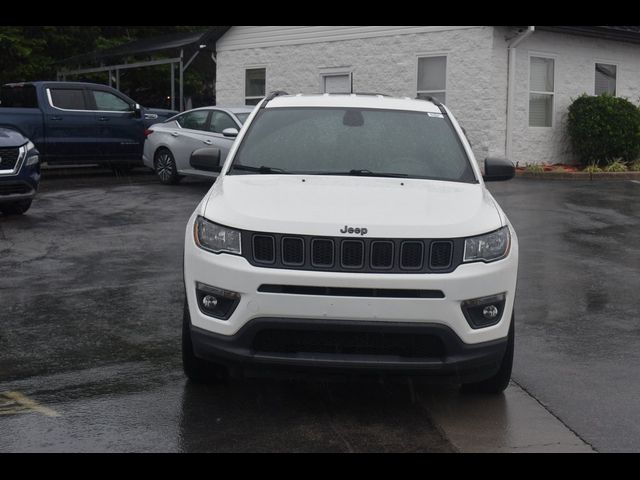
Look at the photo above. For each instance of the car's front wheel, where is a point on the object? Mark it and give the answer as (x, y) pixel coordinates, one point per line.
(166, 167)
(16, 208)
(500, 381)
(196, 369)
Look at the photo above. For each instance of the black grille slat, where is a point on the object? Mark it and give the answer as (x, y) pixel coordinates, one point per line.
(9, 158)
(293, 251)
(264, 249)
(352, 256)
(382, 255)
(441, 255)
(349, 292)
(411, 255)
(14, 189)
(409, 345)
(323, 252)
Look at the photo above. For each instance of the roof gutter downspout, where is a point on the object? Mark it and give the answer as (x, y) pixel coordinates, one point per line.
(511, 76)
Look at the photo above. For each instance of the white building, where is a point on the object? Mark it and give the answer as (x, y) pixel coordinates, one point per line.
(518, 112)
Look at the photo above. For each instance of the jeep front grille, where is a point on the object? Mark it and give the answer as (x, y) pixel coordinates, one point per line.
(347, 254)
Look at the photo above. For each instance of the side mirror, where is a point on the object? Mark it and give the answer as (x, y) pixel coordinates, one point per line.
(498, 170)
(230, 132)
(206, 159)
(137, 110)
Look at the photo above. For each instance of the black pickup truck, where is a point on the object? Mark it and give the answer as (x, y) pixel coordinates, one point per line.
(72, 123)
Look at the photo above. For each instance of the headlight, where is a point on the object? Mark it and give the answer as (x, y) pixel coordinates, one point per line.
(33, 156)
(488, 248)
(216, 238)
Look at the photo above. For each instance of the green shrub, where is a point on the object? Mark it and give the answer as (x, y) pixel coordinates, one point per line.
(616, 166)
(604, 128)
(593, 168)
(635, 166)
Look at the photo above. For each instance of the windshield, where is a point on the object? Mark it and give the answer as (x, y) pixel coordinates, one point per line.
(339, 141)
(242, 117)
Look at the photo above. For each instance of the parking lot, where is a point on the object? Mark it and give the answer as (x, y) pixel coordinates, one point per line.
(91, 294)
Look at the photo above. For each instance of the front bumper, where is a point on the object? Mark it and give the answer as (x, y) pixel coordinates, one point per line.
(370, 348)
(21, 186)
(466, 348)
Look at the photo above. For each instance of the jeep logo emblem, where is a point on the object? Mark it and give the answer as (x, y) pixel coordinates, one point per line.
(356, 231)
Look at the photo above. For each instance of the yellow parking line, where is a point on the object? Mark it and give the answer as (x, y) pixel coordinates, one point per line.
(19, 403)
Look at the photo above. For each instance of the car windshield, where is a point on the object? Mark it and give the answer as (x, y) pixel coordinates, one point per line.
(351, 141)
(242, 117)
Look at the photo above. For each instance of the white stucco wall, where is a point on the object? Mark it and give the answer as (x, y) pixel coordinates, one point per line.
(386, 64)
(575, 59)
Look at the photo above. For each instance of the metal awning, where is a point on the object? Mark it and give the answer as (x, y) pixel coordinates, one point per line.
(178, 50)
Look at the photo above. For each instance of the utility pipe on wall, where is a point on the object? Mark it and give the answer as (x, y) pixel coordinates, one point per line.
(511, 78)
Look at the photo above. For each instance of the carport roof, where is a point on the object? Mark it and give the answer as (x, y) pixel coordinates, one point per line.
(163, 43)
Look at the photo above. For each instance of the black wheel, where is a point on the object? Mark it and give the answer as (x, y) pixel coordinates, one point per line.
(197, 370)
(16, 208)
(166, 168)
(500, 381)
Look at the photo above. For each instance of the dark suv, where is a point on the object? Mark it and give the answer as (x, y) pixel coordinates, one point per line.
(19, 172)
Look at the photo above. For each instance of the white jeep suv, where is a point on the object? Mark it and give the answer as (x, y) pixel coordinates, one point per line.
(351, 233)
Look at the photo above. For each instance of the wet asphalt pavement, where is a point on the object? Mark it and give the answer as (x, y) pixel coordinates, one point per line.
(578, 305)
(91, 302)
(91, 295)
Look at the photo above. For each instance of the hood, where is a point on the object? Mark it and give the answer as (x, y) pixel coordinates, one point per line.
(11, 138)
(387, 208)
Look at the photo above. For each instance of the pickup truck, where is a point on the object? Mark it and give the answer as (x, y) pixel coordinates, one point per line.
(72, 123)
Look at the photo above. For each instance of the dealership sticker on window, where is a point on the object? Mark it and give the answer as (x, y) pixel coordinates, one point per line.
(436, 115)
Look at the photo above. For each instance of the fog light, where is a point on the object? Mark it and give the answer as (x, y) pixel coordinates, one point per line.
(484, 312)
(210, 302)
(490, 312)
(215, 302)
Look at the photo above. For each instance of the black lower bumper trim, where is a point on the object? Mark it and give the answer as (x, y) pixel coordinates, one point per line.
(331, 346)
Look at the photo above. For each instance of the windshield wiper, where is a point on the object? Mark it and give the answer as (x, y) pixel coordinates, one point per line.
(367, 173)
(262, 170)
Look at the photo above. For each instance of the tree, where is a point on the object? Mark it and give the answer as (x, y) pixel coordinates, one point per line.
(31, 53)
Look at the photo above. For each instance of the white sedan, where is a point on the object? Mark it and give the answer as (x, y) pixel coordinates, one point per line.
(168, 146)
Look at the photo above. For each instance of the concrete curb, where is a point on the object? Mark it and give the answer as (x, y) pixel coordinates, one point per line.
(622, 176)
(513, 422)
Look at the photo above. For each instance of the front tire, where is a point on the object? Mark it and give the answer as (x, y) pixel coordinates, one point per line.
(197, 370)
(500, 381)
(16, 208)
(166, 168)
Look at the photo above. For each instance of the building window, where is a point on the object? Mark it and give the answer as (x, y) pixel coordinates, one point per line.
(606, 76)
(541, 92)
(337, 83)
(432, 78)
(255, 85)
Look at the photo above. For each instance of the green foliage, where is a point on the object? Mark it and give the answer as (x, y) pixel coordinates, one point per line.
(593, 168)
(604, 128)
(31, 53)
(616, 166)
(635, 166)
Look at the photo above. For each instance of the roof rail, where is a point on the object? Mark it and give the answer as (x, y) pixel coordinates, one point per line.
(436, 102)
(272, 95)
